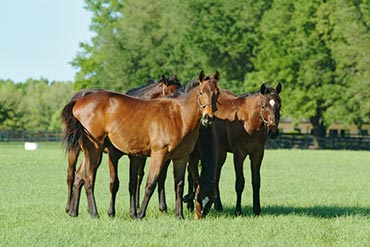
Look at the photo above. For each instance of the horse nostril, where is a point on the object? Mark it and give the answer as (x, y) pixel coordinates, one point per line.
(207, 120)
(273, 133)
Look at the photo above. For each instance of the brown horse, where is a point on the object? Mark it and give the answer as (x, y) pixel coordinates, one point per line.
(164, 87)
(168, 129)
(243, 124)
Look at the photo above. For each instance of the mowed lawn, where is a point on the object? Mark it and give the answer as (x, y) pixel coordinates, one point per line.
(308, 198)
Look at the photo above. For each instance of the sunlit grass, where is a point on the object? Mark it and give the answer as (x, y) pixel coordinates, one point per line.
(308, 198)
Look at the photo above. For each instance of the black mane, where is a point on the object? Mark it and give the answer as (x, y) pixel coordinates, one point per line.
(269, 90)
(148, 84)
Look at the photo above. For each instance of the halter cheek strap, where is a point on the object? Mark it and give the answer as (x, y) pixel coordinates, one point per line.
(268, 123)
(203, 105)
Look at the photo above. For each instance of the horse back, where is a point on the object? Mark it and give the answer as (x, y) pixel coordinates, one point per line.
(135, 126)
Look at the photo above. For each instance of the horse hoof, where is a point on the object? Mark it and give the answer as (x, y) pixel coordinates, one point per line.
(238, 212)
(257, 211)
(133, 216)
(111, 213)
(190, 206)
(163, 209)
(94, 216)
(180, 217)
(218, 208)
(140, 216)
(188, 198)
(73, 214)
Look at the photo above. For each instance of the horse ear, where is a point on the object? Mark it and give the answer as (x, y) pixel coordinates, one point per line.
(201, 76)
(217, 75)
(278, 88)
(263, 88)
(164, 80)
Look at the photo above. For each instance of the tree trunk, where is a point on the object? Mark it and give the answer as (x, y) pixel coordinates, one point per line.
(319, 130)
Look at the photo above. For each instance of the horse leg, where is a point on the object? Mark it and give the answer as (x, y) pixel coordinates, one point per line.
(113, 156)
(240, 181)
(135, 165)
(221, 160)
(179, 167)
(193, 180)
(76, 191)
(72, 160)
(93, 155)
(156, 163)
(139, 163)
(256, 161)
(161, 188)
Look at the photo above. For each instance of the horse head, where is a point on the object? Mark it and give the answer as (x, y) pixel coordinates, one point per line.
(207, 97)
(170, 85)
(270, 109)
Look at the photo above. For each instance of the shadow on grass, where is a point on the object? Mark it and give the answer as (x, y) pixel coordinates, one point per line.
(319, 211)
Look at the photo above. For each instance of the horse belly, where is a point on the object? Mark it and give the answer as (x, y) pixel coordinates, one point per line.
(131, 143)
(185, 146)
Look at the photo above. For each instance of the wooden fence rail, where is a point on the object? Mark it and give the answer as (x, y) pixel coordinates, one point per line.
(285, 141)
(30, 136)
(301, 141)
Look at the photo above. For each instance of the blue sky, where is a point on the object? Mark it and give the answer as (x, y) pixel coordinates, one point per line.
(38, 38)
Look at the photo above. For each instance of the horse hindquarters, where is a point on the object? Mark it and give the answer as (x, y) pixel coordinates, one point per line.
(86, 176)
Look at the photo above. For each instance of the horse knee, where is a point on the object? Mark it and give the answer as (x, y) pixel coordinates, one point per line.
(78, 182)
(114, 186)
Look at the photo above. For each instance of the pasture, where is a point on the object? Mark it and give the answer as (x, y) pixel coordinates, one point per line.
(308, 198)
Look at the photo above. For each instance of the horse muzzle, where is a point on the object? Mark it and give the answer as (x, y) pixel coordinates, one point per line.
(203, 204)
(273, 132)
(207, 120)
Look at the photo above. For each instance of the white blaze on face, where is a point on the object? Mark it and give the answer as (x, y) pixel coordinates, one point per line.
(205, 201)
(272, 102)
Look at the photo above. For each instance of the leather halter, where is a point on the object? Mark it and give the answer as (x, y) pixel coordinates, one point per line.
(267, 123)
(203, 105)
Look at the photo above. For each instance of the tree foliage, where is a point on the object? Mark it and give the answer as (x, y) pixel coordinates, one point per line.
(33, 105)
(319, 50)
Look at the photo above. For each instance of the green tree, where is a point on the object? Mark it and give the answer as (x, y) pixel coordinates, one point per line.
(11, 111)
(33, 105)
(317, 49)
(151, 38)
(306, 47)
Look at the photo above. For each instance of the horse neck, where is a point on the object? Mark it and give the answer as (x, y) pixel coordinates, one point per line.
(189, 107)
(254, 121)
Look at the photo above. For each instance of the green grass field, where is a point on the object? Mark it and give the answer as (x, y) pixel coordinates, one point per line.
(308, 198)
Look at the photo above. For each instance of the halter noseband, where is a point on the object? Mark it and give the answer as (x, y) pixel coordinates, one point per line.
(267, 123)
(203, 105)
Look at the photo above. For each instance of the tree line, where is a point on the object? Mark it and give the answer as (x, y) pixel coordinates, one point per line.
(319, 50)
(33, 104)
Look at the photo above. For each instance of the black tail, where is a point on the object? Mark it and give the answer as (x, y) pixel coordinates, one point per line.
(73, 130)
